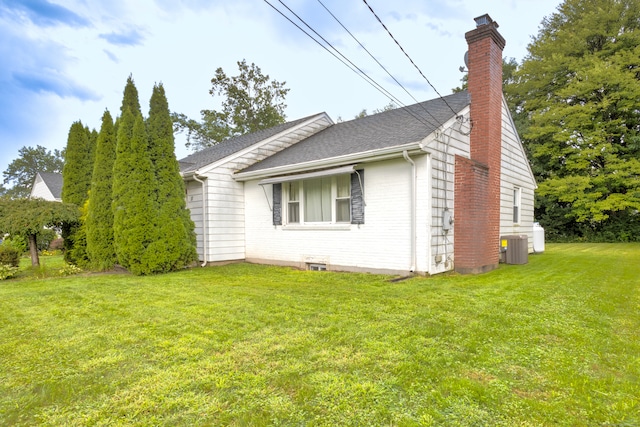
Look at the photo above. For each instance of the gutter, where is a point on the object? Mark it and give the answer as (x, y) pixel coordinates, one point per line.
(204, 218)
(405, 154)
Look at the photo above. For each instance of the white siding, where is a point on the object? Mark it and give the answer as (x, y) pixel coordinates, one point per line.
(194, 204)
(515, 173)
(40, 190)
(443, 148)
(224, 216)
(382, 243)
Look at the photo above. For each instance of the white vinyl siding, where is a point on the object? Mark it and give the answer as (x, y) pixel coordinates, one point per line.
(515, 175)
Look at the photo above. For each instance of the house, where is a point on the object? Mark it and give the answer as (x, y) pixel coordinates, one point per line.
(47, 186)
(424, 189)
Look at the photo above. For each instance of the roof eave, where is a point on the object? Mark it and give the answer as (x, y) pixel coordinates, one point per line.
(363, 157)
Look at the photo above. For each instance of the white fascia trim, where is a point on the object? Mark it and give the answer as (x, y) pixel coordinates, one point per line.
(367, 156)
(210, 166)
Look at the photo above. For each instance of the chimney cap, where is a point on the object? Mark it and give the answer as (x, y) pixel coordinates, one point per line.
(485, 20)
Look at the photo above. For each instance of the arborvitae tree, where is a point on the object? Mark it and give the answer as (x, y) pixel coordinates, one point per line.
(130, 99)
(134, 209)
(99, 216)
(76, 176)
(77, 253)
(93, 142)
(176, 245)
(77, 167)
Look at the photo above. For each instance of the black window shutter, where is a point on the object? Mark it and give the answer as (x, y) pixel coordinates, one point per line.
(277, 204)
(357, 198)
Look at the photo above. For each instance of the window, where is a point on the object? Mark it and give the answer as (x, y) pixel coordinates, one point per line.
(516, 205)
(343, 198)
(320, 200)
(330, 199)
(293, 205)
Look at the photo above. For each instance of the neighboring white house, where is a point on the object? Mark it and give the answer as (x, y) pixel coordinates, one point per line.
(402, 191)
(47, 186)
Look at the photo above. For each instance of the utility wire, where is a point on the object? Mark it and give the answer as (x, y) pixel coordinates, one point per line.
(353, 66)
(407, 55)
(378, 62)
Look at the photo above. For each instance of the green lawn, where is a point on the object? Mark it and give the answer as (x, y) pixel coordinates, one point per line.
(551, 343)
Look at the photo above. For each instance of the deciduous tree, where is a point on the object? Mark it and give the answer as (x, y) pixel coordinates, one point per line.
(22, 171)
(27, 217)
(579, 89)
(251, 102)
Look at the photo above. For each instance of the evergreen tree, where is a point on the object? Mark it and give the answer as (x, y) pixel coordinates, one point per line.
(77, 167)
(76, 178)
(130, 99)
(579, 88)
(134, 209)
(99, 216)
(175, 247)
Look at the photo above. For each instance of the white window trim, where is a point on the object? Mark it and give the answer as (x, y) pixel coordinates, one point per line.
(517, 204)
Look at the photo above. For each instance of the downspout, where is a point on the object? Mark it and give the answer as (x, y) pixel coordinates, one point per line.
(204, 220)
(405, 154)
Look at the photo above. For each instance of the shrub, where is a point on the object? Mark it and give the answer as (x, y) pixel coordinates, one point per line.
(7, 271)
(20, 243)
(70, 269)
(9, 254)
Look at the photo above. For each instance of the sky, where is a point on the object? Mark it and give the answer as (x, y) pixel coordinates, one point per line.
(67, 60)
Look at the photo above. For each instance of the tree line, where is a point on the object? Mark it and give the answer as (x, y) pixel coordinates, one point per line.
(575, 100)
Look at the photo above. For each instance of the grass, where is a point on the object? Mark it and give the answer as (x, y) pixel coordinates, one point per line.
(551, 343)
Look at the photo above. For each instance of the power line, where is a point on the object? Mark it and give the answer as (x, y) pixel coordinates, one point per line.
(352, 67)
(407, 55)
(378, 62)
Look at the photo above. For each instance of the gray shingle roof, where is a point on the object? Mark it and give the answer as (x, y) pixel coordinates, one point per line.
(53, 182)
(383, 130)
(231, 146)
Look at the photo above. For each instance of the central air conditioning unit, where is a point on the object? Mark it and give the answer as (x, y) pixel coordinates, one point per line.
(514, 249)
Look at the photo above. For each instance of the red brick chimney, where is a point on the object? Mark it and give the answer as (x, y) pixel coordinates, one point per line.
(477, 179)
